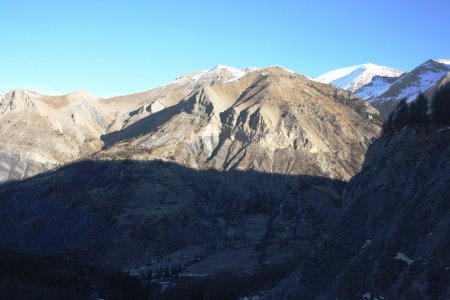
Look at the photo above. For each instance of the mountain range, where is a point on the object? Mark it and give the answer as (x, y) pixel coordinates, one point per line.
(228, 173)
(384, 87)
(189, 159)
(366, 81)
(262, 119)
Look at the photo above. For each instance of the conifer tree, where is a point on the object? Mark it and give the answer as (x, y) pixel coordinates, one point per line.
(441, 105)
(401, 118)
(418, 110)
(388, 124)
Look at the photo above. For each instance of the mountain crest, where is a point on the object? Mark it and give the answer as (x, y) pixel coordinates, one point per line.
(355, 77)
(18, 99)
(219, 73)
(442, 61)
(420, 80)
(83, 94)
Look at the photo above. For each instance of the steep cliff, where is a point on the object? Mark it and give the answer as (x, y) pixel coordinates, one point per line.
(392, 240)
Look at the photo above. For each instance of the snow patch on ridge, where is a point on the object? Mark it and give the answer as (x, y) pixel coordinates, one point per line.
(443, 61)
(197, 77)
(220, 71)
(377, 87)
(236, 73)
(419, 80)
(403, 257)
(422, 83)
(426, 81)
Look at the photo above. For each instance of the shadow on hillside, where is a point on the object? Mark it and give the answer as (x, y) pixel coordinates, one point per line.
(76, 208)
(110, 213)
(115, 174)
(146, 124)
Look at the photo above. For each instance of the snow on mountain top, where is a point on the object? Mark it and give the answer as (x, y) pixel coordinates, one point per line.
(354, 77)
(228, 68)
(228, 72)
(219, 68)
(419, 80)
(419, 84)
(442, 61)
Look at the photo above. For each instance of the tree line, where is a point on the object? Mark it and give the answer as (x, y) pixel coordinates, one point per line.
(421, 111)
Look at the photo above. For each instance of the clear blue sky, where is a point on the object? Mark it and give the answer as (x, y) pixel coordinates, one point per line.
(117, 47)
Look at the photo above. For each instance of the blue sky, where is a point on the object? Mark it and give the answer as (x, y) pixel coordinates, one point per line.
(117, 47)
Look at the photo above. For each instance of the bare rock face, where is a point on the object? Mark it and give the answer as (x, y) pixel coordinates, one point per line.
(268, 120)
(40, 132)
(392, 239)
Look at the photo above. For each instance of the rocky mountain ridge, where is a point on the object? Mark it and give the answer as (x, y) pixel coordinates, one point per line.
(212, 118)
(220, 163)
(421, 79)
(264, 121)
(384, 87)
(188, 180)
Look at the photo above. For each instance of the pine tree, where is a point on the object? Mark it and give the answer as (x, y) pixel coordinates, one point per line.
(389, 123)
(418, 110)
(401, 118)
(441, 105)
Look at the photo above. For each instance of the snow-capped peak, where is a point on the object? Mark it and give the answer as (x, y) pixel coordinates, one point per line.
(442, 61)
(222, 68)
(419, 80)
(223, 72)
(354, 77)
